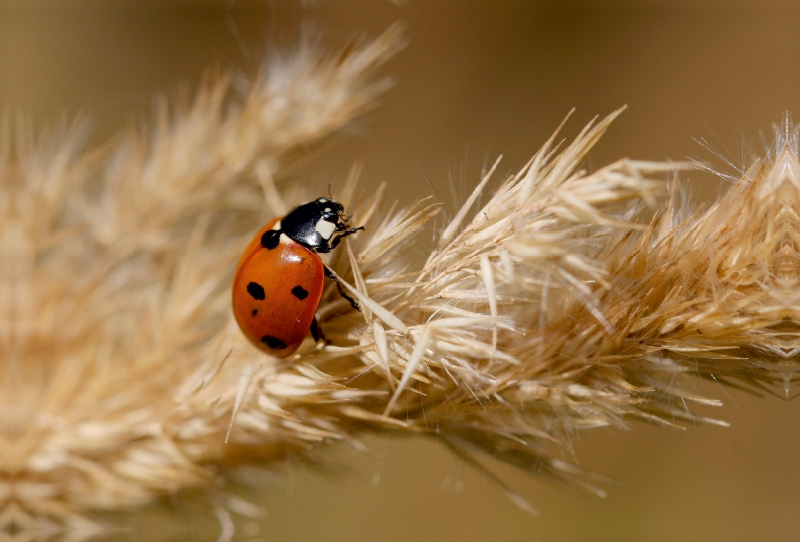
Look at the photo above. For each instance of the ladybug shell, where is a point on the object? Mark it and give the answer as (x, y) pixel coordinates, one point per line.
(276, 292)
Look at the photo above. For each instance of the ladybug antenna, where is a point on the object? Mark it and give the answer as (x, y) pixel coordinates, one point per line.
(330, 196)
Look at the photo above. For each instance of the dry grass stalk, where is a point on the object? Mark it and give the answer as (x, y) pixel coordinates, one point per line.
(540, 313)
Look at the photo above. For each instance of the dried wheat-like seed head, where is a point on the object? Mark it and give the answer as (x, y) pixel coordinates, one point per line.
(718, 291)
(131, 379)
(540, 309)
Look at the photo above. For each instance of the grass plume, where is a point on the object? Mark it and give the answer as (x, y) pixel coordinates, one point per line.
(545, 306)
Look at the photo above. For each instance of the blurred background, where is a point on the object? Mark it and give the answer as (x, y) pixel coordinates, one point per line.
(477, 79)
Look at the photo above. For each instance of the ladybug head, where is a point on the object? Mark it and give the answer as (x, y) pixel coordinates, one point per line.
(331, 211)
(313, 224)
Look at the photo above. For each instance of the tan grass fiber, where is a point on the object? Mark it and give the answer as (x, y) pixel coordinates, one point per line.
(546, 306)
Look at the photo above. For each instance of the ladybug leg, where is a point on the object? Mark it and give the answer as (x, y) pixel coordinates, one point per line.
(316, 332)
(338, 238)
(331, 275)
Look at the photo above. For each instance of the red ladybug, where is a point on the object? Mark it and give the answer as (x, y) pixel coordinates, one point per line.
(279, 279)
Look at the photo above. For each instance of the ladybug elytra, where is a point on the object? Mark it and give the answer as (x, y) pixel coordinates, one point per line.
(279, 279)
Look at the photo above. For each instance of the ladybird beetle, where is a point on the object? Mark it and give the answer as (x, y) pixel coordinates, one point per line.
(279, 279)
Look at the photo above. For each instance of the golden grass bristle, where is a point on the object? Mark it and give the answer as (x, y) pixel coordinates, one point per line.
(543, 308)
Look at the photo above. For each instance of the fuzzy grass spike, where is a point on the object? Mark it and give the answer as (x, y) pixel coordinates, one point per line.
(560, 301)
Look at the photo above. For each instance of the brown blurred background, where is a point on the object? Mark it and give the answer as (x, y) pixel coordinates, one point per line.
(477, 79)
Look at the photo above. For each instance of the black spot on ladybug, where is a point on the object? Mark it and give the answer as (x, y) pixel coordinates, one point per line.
(272, 342)
(299, 292)
(256, 290)
(255, 311)
(271, 239)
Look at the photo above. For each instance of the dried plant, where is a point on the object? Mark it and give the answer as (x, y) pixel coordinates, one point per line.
(540, 310)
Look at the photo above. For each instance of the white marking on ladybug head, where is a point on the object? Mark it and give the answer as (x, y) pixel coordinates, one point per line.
(325, 228)
(285, 239)
(326, 210)
(277, 225)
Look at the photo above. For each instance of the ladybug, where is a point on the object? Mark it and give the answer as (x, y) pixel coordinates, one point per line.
(280, 277)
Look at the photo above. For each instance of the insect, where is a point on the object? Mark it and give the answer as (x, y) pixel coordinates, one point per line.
(280, 277)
